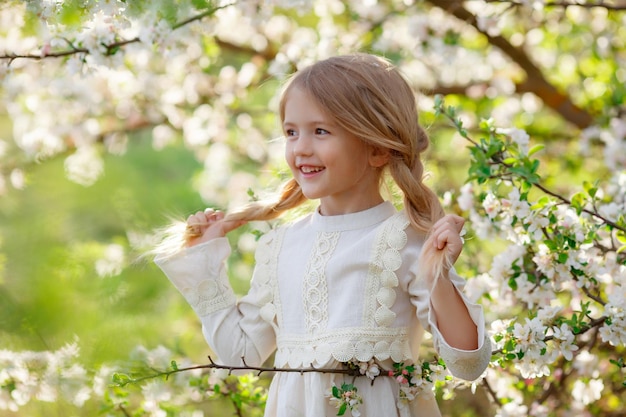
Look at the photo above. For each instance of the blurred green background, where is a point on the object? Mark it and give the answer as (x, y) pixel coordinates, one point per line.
(53, 234)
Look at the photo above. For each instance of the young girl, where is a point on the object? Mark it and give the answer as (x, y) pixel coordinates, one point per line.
(354, 283)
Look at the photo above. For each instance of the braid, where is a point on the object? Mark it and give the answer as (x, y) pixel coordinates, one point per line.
(175, 236)
(423, 209)
(290, 197)
(420, 202)
(422, 206)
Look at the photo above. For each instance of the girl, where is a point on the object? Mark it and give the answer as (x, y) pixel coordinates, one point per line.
(355, 283)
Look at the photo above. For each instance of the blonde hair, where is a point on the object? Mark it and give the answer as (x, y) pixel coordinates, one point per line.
(367, 96)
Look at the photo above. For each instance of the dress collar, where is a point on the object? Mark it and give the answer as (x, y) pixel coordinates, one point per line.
(353, 221)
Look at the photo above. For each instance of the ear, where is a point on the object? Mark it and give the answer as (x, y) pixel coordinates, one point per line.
(378, 156)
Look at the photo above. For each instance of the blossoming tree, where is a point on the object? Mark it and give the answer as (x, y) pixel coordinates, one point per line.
(530, 90)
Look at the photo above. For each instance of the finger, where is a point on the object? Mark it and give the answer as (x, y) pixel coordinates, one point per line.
(455, 221)
(218, 215)
(193, 227)
(442, 239)
(198, 222)
(195, 219)
(452, 224)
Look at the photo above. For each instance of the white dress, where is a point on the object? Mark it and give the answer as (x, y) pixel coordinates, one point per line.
(326, 290)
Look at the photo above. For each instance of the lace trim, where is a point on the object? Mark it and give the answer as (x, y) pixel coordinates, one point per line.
(266, 264)
(315, 288)
(382, 278)
(209, 296)
(361, 344)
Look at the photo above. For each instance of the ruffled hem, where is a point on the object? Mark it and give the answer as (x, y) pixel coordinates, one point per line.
(299, 352)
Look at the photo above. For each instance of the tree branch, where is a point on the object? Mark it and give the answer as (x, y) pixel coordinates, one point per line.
(245, 367)
(111, 47)
(492, 393)
(535, 81)
(621, 5)
(592, 325)
(590, 212)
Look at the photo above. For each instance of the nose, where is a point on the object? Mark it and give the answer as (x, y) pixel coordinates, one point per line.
(301, 146)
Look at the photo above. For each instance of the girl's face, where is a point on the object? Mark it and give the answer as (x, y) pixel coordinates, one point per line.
(328, 162)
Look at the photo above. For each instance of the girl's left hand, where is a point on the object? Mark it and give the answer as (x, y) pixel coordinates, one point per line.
(446, 235)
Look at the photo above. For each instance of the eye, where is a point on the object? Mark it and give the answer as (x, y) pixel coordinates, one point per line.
(290, 132)
(320, 131)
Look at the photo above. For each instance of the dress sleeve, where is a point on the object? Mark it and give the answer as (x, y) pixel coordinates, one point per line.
(464, 364)
(234, 329)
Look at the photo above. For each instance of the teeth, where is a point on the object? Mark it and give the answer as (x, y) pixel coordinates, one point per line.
(308, 170)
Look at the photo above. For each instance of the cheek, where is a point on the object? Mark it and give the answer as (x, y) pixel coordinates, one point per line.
(289, 157)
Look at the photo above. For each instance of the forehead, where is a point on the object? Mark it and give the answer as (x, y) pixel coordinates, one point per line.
(299, 103)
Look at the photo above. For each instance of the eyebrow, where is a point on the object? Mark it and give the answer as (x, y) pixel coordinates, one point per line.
(312, 123)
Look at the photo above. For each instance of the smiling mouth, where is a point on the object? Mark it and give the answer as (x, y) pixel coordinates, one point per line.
(311, 170)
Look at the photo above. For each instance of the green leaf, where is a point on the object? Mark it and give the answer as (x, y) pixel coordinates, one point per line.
(550, 244)
(201, 4)
(535, 149)
(486, 124)
(438, 103)
(342, 409)
(541, 203)
(348, 387)
(121, 379)
(590, 189)
(578, 202)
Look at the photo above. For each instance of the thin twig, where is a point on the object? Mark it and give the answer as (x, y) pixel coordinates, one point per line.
(245, 367)
(566, 4)
(491, 392)
(111, 46)
(123, 410)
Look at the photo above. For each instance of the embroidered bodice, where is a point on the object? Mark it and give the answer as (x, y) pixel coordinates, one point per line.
(362, 296)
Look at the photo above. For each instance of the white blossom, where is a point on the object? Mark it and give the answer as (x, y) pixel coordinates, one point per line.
(466, 197)
(518, 136)
(586, 393)
(84, 166)
(112, 262)
(564, 341)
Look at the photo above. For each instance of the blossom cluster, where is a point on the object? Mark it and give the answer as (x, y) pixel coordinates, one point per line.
(51, 376)
(345, 398)
(562, 263)
(413, 380)
(45, 376)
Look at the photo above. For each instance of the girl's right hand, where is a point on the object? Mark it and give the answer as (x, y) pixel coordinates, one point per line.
(207, 225)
